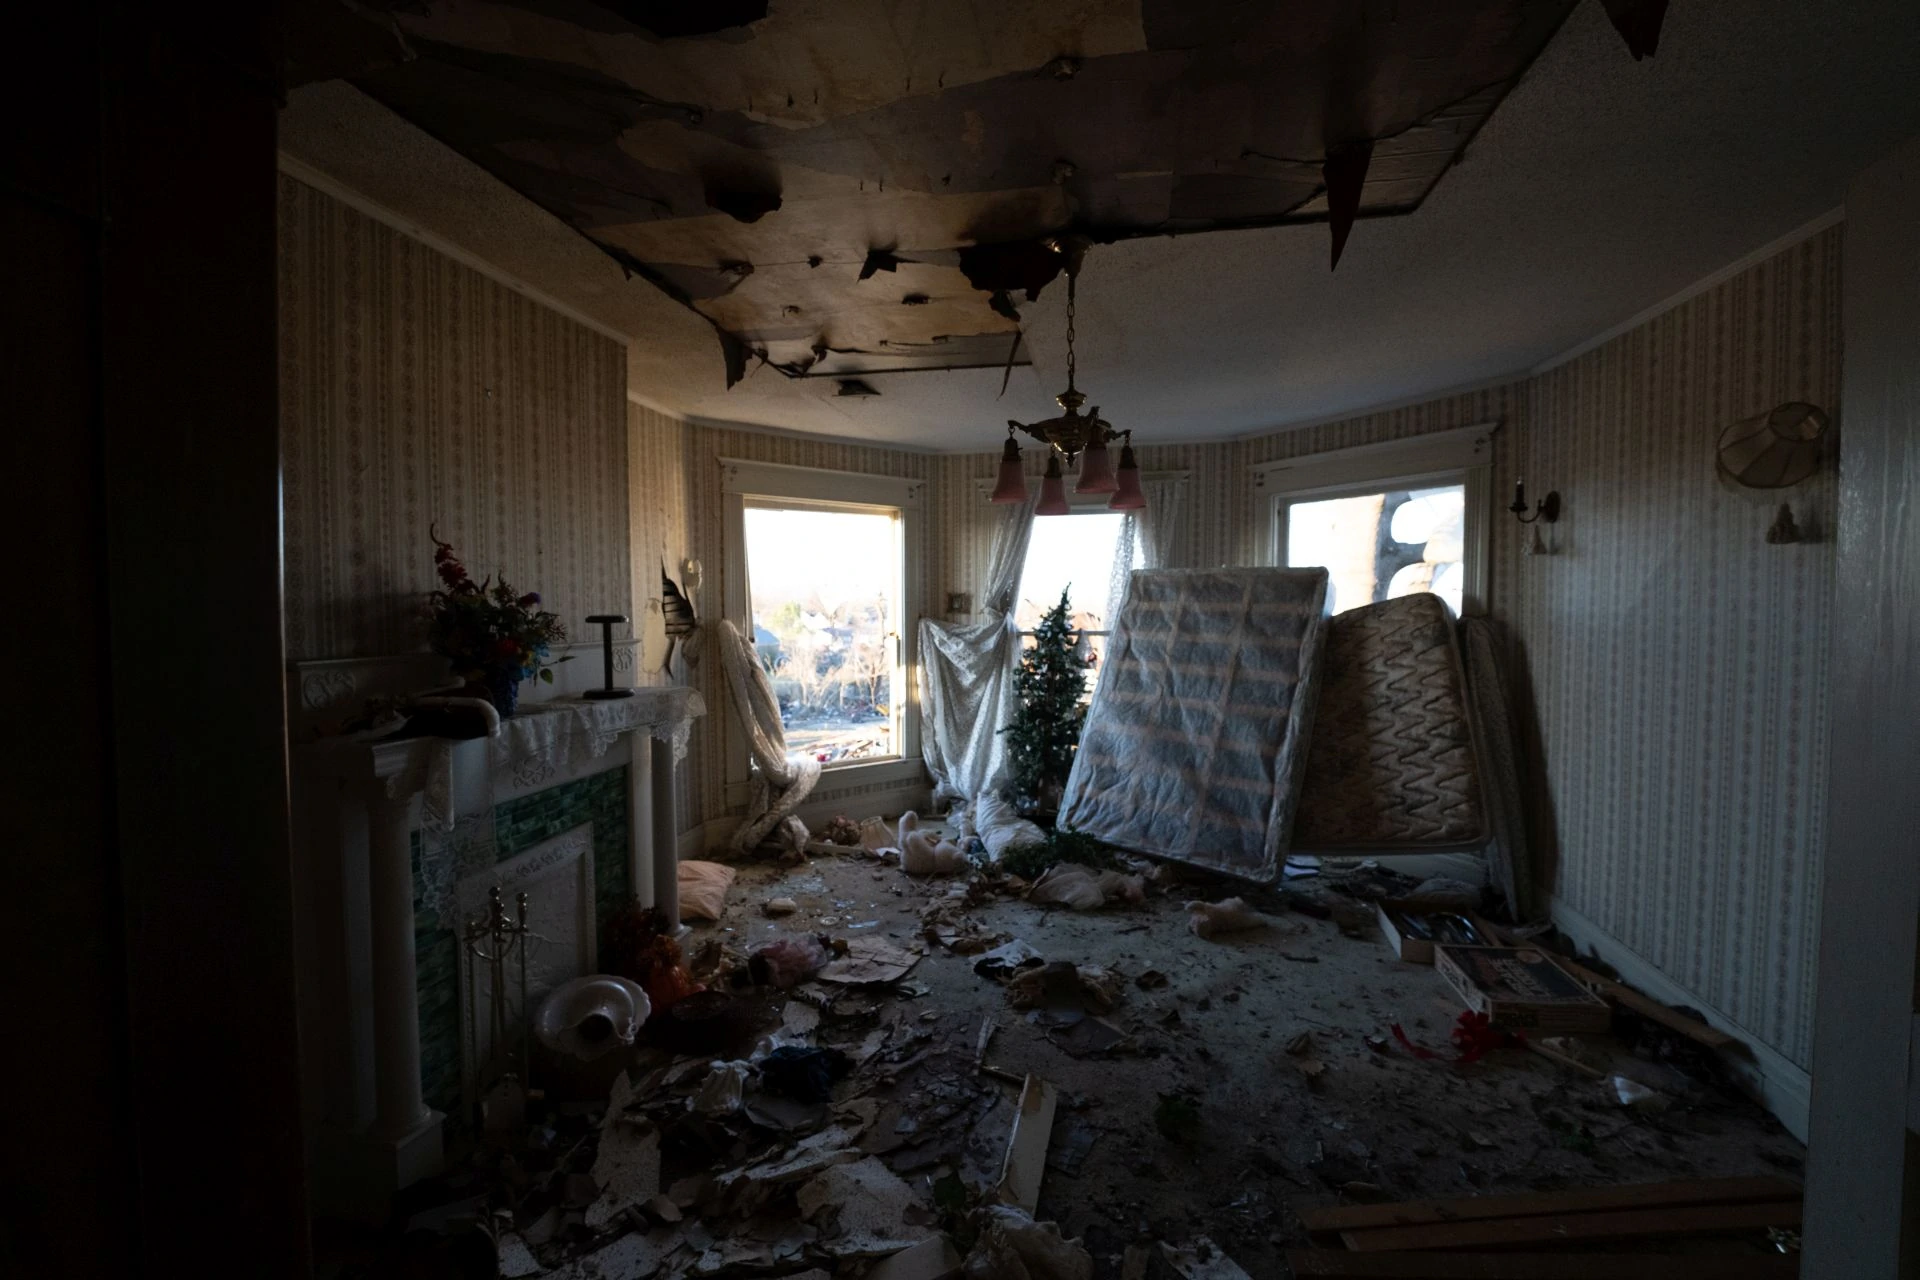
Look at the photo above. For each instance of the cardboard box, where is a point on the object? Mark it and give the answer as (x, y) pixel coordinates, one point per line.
(1522, 989)
(1407, 943)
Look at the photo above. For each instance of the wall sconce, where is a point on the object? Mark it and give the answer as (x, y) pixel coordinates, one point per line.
(1546, 510)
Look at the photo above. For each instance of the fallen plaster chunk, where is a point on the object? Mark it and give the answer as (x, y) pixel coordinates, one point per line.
(634, 1256)
(870, 961)
(759, 1245)
(627, 1170)
(872, 1203)
(809, 1156)
(1202, 1260)
(1026, 1161)
(1229, 915)
(800, 1019)
(934, 1259)
(516, 1260)
(1013, 1245)
(627, 1166)
(720, 1093)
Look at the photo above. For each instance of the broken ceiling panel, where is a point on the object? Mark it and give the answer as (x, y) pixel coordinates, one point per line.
(860, 186)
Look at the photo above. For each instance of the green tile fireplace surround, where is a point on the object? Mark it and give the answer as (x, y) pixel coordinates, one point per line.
(599, 801)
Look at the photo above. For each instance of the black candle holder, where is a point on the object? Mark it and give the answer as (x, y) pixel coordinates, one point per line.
(1547, 509)
(607, 621)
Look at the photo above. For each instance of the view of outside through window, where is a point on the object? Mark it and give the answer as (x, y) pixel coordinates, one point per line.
(1074, 553)
(1379, 546)
(825, 590)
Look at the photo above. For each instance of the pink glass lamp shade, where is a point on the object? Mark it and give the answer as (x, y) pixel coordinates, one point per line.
(1053, 489)
(1096, 471)
(1126, 493)
(1012, 486)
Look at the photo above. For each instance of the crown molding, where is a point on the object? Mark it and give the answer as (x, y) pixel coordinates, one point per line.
(301, 171)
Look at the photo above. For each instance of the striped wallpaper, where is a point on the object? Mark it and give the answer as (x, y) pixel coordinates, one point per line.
(1678, 662)
(415, 391)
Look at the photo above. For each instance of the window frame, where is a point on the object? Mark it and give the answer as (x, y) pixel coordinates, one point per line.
(781, 485)
(1462, 456)
(1085, 504)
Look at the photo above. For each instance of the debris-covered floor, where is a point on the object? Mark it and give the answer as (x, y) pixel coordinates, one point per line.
(1203, 1088)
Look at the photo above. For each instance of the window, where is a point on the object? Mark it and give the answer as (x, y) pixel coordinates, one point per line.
(1076, 554)
(1387, 520)
(821, 569)
(1383, 544)
(824, 590)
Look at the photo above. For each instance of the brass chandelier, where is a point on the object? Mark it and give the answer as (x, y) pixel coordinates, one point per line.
(1072, 436)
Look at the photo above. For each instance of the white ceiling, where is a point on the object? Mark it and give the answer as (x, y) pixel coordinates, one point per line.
(1600, 187)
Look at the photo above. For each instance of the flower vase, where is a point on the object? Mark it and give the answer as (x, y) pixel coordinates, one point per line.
(503, 690)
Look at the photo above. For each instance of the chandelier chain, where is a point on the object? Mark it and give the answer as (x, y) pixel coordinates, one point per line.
(1071, 276)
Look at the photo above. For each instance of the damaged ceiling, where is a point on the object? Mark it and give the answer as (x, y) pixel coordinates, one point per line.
(1600, 187)
(845, 188)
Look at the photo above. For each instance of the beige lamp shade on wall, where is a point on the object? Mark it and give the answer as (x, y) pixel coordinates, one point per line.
(1773, 450)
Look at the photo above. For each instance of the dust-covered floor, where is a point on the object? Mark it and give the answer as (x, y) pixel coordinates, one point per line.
(1262, 1077)
(1208, 1091)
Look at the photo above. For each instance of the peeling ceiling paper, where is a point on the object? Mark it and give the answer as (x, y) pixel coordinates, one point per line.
(853, 186)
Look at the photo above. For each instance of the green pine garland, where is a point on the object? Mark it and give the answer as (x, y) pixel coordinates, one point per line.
(1047, 713)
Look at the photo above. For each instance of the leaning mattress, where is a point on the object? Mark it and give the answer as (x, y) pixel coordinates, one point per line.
(1392, 766)
(1196, 741)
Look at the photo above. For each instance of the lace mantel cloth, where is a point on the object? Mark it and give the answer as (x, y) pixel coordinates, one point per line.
(545, 738)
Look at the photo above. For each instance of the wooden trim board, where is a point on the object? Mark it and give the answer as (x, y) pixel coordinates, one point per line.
(1334, 1264)
(1026, 1160)
(1645, 1006)
(1556, 1229)
(1643, 1195)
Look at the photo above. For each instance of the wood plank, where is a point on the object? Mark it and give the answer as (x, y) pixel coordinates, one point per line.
(1646, 1006)
(1639, 1195)
(1335, 1264)
(1027, 1146)
(1639, 1224)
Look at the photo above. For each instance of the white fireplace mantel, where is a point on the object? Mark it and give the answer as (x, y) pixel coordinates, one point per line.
(357, 806)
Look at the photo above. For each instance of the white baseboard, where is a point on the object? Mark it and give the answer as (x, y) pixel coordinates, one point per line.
(1779, 1085)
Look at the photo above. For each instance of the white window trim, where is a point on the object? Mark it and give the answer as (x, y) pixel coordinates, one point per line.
(742, 479)
(985, 485)
(1462, 456)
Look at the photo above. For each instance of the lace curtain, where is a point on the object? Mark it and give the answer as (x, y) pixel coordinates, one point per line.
(966, 695)
(780, 781)
(1150, 539)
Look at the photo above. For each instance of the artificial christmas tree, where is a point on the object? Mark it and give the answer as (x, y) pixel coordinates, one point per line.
(1046, 715)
